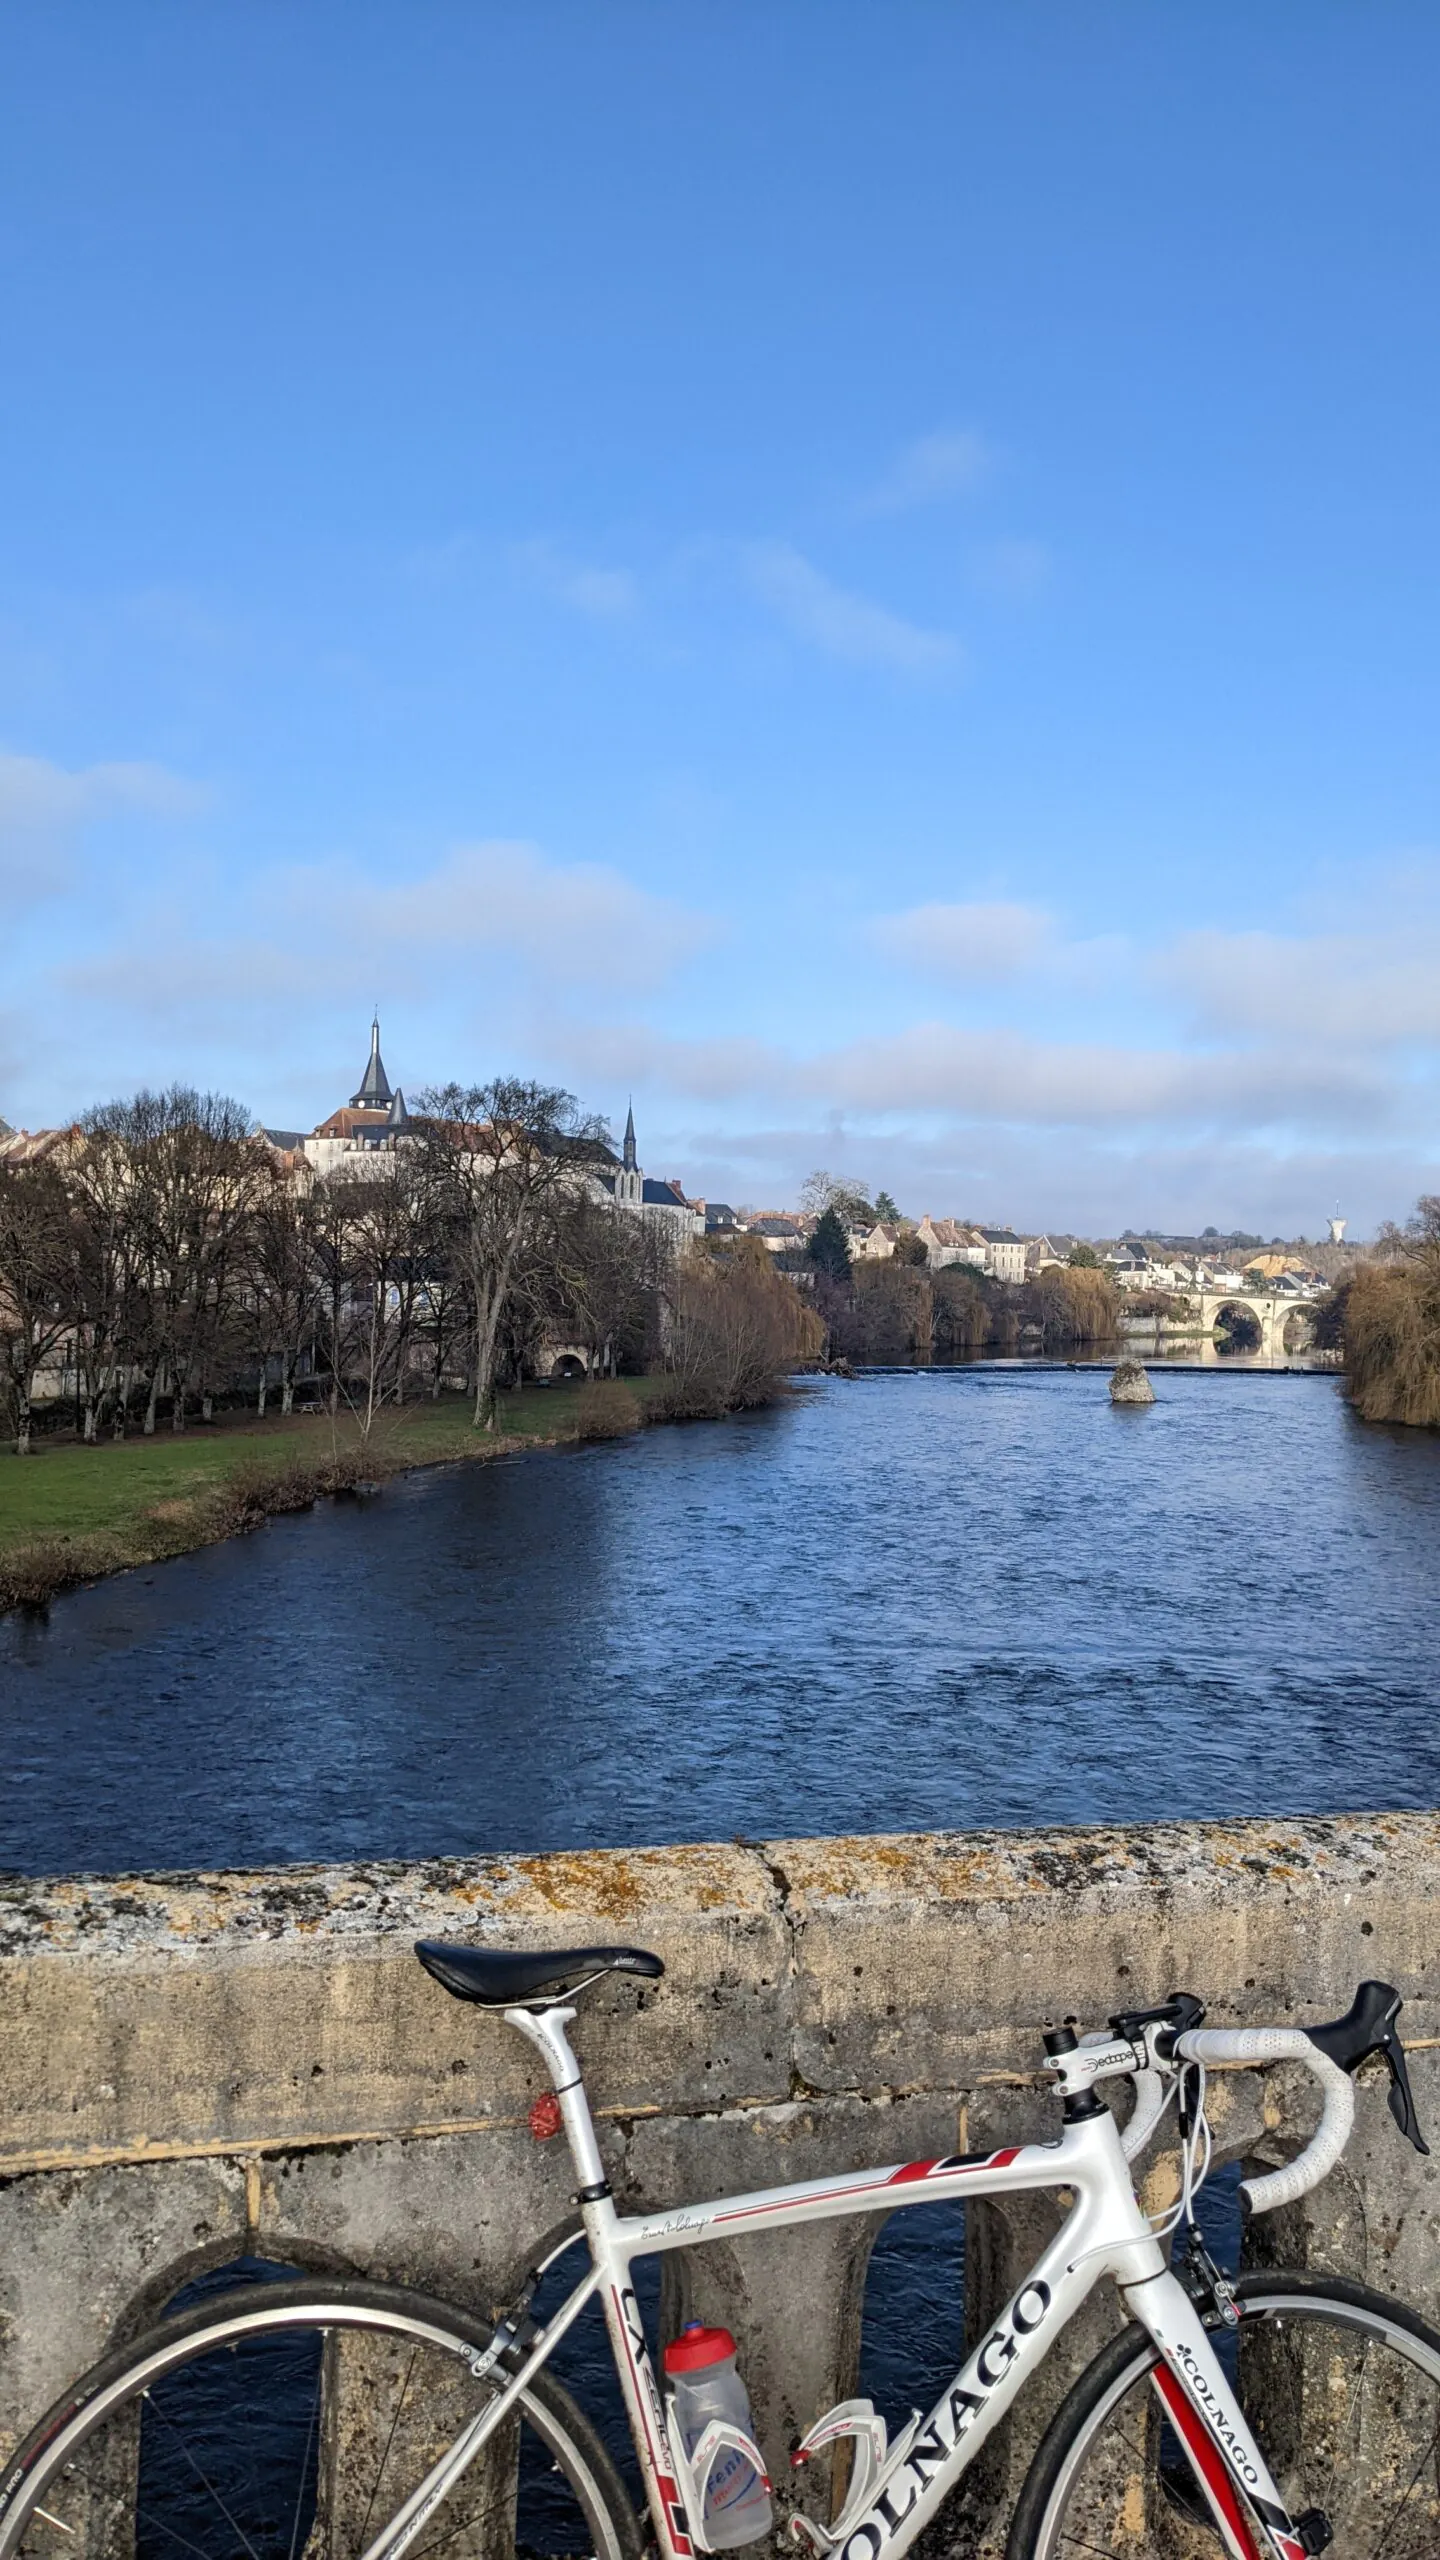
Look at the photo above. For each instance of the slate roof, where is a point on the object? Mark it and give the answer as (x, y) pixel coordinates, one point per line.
(374, 1093)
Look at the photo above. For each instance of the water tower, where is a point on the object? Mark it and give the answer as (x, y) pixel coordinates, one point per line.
(1337, 1228)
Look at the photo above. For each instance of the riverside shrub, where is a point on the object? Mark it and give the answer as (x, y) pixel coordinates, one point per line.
(738, 1328)
(606, 1411)
(1392, 1342)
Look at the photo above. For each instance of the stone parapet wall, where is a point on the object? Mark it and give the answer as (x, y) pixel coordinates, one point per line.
(197, 2066)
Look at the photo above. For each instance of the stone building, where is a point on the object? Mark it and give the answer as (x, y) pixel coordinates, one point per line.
(358, 1137)
(662, 1203)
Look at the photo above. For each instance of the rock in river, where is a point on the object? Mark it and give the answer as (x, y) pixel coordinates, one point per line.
(1129, 1384)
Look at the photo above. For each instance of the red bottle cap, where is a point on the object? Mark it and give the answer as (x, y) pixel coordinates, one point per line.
(696, 2347)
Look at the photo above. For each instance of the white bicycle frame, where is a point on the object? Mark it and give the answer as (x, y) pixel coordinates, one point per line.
(896, 2490)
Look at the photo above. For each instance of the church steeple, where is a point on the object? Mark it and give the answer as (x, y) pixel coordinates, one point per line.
(374, 1093)
(629, 1192)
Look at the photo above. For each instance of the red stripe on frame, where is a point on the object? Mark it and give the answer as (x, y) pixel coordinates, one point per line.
(942, 2167)
(868, 2186)
(1208, 2460)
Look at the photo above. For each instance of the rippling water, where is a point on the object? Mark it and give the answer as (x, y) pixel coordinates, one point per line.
(944, 1597)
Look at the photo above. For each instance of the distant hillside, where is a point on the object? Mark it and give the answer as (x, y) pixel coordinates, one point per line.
(1333, 1261)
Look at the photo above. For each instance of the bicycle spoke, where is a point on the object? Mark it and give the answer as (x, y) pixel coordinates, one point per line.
(157, 2524)
(1325, 2501)
(1409, 2491)
(1339, 2399)
(305, 2465)
(427, 2549)
(211, 2491)
(385, 2456)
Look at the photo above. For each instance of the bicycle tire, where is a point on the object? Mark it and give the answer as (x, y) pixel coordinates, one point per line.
(1331, 2426)
(85, 2467)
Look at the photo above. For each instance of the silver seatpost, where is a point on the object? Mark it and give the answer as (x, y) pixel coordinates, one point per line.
(545, 2029)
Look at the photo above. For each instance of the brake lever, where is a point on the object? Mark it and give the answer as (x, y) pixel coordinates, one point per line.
(1401, 2100)
(1371, 2025)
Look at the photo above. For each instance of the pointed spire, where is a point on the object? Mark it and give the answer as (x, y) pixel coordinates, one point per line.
(397, 1117)
(629, 1159)
(374, 1093)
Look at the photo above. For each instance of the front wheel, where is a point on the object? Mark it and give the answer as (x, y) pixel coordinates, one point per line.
(1341, 2388)
(290, 2422)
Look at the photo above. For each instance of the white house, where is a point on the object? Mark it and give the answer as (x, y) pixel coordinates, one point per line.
(1004, 1253)
(877, 1243)
(947, 1241)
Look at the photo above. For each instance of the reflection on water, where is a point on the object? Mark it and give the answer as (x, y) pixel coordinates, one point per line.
(912, 1600)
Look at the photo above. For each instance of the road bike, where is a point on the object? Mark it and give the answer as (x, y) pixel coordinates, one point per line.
(1268, 2419)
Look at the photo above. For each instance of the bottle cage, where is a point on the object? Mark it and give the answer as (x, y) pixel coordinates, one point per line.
(692, 2470)
(874, 2462)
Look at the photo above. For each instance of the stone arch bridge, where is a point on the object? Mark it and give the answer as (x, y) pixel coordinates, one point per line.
(1284, 1323)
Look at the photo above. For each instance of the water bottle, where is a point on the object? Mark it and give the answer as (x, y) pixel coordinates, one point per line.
(700, 2368)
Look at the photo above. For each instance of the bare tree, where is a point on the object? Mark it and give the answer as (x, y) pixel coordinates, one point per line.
(821, 1191)
(497, 1155)
(193, 1173)
(283, 1280)
(384, 1258)
(594, 1265)
(35, 1263)
(1418, 1241)
(104, 1271)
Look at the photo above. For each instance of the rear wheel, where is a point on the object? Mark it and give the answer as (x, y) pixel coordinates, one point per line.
(291, 2422)
(1341, 2388)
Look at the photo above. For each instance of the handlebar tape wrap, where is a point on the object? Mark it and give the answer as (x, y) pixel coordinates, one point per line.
(1150, 2094)
(1283, 2044)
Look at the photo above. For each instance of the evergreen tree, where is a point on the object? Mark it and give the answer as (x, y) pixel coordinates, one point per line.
(828, 1249)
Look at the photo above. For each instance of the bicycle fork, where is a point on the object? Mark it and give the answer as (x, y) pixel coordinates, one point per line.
(1229, 2468)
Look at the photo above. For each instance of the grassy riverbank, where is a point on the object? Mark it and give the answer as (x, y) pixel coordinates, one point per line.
(69, 1514)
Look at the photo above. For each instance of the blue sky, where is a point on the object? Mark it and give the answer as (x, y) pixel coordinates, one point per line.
(865, 574)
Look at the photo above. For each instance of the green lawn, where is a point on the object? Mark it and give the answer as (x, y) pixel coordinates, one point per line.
(132, 1496)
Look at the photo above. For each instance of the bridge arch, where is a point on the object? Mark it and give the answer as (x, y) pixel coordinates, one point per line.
(1239, 1319)
(1294, 1328)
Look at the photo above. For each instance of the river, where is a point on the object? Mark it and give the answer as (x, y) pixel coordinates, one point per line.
(913, 1600)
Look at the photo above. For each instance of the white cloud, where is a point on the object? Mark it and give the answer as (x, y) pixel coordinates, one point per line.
(717, 1069)
(843, 625)
(575, 921)
(945, 465)
(961, 1078)
(42, 805)
(36, 795)
(557, 924)
(981, 942)
(605, 595)
(1369, 989)
(1014, 1077)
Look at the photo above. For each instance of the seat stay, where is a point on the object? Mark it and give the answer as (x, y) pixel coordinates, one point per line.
(409, 2520)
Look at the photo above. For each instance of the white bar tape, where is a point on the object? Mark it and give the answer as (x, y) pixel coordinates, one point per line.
(1145, 2114)
(1283, 2044)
